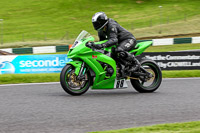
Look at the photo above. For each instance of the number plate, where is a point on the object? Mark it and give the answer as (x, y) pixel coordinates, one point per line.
(120, 83)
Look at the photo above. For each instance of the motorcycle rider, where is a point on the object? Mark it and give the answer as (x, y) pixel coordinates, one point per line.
(109, 29)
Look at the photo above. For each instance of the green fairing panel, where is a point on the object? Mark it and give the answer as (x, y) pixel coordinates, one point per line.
(140, 47)
(91, 58)
(100, 81)
(77, 65)
(100, 42)
(80, 48)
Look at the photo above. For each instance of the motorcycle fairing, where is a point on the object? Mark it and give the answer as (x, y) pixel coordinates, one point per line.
(82, 53)
(77, 65)
(140, 47)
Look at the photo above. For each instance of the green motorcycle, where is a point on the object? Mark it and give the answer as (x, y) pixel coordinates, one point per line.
(97, 69)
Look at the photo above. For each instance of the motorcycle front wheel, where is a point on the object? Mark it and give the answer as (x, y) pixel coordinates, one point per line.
(70, 84)
(150, 84)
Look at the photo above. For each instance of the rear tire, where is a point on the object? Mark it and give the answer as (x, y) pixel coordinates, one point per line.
(157, 79)
(69, 83)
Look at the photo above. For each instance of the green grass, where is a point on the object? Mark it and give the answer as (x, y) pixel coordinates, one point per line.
(175, 47)
(28, 78)
(36, 20)
(54, 77)
(188, 127)
(176, 28)
(181, 73)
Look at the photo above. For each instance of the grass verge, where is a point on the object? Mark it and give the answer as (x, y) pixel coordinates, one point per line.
(28, 78)
(181, 73)
(36, 20)
(187, 127)
(175, 47)
(54, 77)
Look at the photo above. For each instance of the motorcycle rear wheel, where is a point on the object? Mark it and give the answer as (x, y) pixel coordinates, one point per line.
(154, 82)
(70, 84)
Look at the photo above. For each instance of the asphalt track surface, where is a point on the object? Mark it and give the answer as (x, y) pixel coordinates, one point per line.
(36, 108)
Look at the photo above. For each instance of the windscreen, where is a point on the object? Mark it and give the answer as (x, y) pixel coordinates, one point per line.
(82, 36)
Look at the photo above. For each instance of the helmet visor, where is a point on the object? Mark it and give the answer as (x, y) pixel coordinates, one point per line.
(96, 25)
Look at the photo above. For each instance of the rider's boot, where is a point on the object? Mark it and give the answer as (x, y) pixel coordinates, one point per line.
(135, 62)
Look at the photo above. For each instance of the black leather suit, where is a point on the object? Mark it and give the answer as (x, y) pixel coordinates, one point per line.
(117, 35)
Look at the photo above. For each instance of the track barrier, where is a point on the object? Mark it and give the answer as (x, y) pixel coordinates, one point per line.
(53, 63)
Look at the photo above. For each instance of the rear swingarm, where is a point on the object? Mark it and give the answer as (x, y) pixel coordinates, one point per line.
(146, 73)
(143, 75)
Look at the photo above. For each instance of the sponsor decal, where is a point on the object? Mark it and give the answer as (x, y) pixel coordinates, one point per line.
(120, 83)
(94, 56)
(6, 68)
(175, 60)
(127, 45)
(33, 63)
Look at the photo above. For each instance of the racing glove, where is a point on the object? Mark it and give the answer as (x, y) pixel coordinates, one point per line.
(99, 46)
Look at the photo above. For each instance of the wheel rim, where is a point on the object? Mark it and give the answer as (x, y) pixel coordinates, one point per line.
(150, 82)
(72, 83)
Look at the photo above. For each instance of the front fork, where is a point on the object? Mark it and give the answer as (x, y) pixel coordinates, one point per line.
(81, 72)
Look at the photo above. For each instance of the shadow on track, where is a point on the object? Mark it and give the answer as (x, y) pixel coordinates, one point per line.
(106, 93)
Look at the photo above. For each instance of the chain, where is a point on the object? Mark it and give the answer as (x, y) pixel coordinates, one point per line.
(132, 78)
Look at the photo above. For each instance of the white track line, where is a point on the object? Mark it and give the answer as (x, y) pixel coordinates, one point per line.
(49, 83)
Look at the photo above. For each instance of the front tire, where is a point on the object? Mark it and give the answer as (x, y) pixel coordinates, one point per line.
(70, 84)
(154, 69)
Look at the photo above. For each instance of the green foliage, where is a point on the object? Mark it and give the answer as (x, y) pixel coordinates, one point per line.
(50, 19)
(188, 127)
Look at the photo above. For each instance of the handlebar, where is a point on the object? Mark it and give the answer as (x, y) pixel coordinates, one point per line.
(90, 45)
